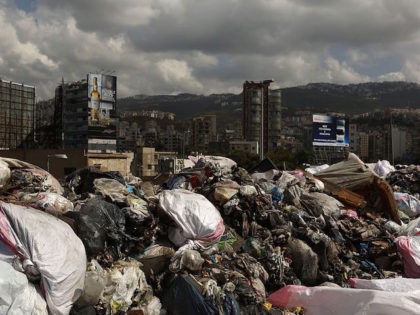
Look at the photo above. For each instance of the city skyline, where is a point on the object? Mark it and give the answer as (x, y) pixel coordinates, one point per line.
(169, 47)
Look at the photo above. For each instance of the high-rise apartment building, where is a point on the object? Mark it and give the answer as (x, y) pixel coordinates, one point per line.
(85, 114)
(17, 111)
(262, 115)
(203, 132)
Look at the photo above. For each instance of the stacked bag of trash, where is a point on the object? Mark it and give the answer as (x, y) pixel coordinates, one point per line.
(213, 239)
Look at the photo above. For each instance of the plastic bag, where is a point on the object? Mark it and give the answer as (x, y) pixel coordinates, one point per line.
(407, 203)
(100, 222)
(111, 188)
(195, 216)
(248, 190)
(409, 247)
(49, 246)
(126, 282)
(186, 259)
(17, 295)
(331, 301)
(4, 173)
(318, 203)
(383, 168)
(49, 202)
(95, 281)
(220, 164)
(182, 297)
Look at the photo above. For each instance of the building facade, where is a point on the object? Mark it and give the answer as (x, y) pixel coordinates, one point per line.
(262, 115)
(203, 132)
(17, 114)
(85, 114)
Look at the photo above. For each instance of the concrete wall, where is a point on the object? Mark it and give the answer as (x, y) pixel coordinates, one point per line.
(39, 157)
(111, 162)
(77, 158)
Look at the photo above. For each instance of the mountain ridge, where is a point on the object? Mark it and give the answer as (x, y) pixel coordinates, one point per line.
(320, 97)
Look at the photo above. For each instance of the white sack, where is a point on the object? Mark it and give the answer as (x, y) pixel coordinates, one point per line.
(391, 284)
(332, 301)
(316, 169)
(195, 216)
(17, 295)
(224, 164)
(383, 168)
(4, 173)
(54, 249)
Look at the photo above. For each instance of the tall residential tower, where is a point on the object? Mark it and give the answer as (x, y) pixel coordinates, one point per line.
(262, 115)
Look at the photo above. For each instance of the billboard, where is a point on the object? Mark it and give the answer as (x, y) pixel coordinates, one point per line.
(330, 131)
(102, 97)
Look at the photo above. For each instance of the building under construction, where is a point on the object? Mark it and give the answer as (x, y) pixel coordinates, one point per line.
(17, 104)
(262, 114)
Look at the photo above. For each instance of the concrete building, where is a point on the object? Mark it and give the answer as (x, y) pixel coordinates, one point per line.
(203, 132)
(262, 114)
(173, 165)
(171, 139)
(399, 144)
(17, 114)
(353, 138)
(129, 136)
(148, 161)
(85, 114)
(363, 151)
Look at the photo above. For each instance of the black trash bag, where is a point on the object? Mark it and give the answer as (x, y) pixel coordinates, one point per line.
(183, 298)
(100, 223)
(81, 181)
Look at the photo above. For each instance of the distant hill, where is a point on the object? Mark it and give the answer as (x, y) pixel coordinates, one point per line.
(320, 97)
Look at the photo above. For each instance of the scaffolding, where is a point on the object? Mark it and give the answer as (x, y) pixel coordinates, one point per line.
(17, 109)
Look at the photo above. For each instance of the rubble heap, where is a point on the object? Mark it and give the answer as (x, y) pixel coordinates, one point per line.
(213, 239)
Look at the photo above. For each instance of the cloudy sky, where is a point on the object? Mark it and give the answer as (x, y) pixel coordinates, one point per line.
(208, 46)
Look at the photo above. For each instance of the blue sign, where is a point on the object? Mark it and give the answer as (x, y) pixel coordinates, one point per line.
(330, 131)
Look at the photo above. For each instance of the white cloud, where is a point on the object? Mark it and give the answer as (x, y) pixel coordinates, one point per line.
(167, 46)
(178, 74)
(341, 72)
(392, 76)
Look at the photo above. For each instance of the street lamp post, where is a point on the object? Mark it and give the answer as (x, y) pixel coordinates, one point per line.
(56, 156)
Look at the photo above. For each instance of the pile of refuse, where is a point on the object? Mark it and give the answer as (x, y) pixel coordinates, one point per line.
(213, 239)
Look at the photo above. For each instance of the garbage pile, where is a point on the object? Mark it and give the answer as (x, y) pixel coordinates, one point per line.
(213, 239)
